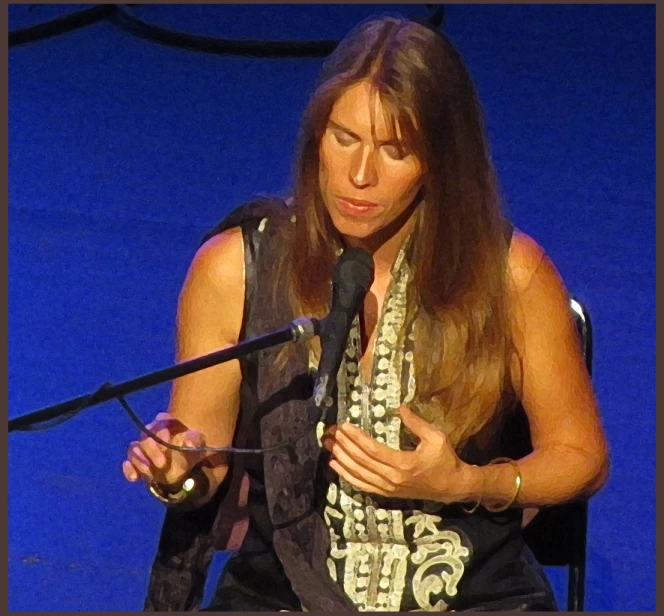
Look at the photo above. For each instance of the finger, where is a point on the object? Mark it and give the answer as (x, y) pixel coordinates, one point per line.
(357, 449)
(356, 482)
(129, 471)
(418, 426)
(372, 449)
(139, 461)
(328, 439)
(331, 430)
(363, 468)
(193, 438)
(327, 442)
(154, 451)
(166, 421)
(164, 433)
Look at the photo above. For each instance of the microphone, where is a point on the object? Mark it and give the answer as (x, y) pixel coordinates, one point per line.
(351, 280)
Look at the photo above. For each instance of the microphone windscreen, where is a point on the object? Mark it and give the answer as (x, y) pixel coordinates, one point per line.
(352, 279)
(355, 265)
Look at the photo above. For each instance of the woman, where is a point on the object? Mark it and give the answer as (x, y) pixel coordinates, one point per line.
(408, 502)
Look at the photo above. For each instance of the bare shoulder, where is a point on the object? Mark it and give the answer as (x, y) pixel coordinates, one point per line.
(537, 287)
(220, 260)
(525, 257)
(212, 297)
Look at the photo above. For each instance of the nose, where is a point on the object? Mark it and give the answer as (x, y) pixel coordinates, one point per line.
(363, 171)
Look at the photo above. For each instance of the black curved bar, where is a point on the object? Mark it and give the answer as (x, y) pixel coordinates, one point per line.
(131, 24)
(61, 25)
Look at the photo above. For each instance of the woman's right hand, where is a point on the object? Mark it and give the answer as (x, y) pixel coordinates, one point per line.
(151, 461)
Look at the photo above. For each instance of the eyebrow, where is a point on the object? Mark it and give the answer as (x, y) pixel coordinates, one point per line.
(338, 126)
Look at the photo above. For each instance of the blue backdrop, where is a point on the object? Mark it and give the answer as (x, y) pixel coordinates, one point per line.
(122, 153)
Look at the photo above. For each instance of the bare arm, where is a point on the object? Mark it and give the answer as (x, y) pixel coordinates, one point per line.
(210, 318)
(204, 405)
(570, 454)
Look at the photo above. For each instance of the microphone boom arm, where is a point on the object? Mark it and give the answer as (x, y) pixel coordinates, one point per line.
(303, 328)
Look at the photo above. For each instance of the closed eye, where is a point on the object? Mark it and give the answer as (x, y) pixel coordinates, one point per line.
(343, 139)
(392, 148)
(395, 152)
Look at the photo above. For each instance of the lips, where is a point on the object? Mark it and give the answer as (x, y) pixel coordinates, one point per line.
(358, 202)
(356, 209)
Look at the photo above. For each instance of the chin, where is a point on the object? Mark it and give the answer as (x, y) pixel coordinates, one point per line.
(358, 230)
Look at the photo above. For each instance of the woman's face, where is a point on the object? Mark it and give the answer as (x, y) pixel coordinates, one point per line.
(361, 161)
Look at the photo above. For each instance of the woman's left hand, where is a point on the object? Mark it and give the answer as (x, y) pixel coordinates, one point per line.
(432, 471)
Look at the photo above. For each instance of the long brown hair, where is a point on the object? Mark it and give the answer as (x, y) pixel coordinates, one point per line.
(462, 332)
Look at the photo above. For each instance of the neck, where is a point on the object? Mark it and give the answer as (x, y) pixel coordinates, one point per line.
(386, 243)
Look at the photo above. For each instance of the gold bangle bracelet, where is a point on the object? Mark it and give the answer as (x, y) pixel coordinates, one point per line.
(473, 509)
(515, 466)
